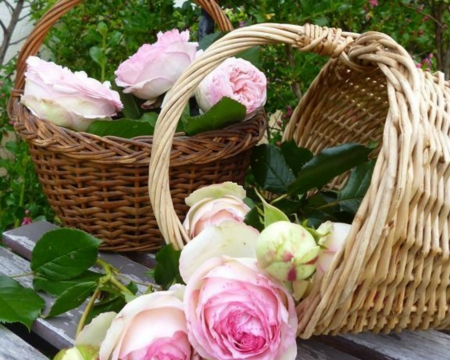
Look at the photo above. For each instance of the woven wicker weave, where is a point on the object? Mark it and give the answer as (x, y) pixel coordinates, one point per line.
(394, 271)
(99, 184)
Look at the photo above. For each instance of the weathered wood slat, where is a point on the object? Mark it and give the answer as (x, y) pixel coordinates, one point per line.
(60, 330)
(13, 347)
(408, 345)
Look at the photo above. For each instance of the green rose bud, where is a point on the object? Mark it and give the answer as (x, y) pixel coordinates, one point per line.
(287, 251)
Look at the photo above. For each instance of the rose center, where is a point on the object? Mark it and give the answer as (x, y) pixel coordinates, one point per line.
(246, 332)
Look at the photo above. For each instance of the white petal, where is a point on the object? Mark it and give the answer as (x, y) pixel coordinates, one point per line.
(229, 238)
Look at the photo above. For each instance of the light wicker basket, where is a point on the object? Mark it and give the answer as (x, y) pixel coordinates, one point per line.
(394, 271)
(99, 184)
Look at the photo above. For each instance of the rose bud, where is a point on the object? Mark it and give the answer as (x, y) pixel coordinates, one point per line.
(287, 251)
(334, 238)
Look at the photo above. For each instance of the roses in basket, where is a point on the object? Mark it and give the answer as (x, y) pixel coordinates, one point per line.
(75, 101)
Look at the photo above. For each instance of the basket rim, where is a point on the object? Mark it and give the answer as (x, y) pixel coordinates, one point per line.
(44, 134)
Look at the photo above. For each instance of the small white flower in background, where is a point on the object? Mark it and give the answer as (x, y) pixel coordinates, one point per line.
(287, 251)
(237, 79)
(68, 99)
(155, 68)
(332, 242)
(213, 205)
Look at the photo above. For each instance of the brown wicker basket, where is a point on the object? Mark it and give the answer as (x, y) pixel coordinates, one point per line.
(394, 272)
(99, 184)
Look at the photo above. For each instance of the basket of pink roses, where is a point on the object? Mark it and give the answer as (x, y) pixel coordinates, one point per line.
(387, 270)
(96, 179)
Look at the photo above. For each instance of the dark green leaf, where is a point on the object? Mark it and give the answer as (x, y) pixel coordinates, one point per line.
(131, 108)
(252, 55)
(207, 40)
(166, 269)
(124, 128)
(114, 39)
(18, 304)
(328, 164)
(64, 254)
(355, 189)
(227, 111)
(255, 219)
(270, 169)
(72, 298)
(56, 288)
(295, 156)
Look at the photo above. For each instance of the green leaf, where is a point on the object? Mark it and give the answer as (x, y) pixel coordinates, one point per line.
(124, 128)
(131, 109)
(254, 219)
(227, 111)
(63, 254)
(72, 298)
(114, 39)
(18, 304)
(98, 55)
(295, 156)
(207, 40)
(326, 165)
(270, 169)
(56, 288)
(167, 267)
(102, 28)
(355, 189)
(252, 55)
(271, 213)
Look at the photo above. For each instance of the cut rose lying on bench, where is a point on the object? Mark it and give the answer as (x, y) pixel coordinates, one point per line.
(236, 300)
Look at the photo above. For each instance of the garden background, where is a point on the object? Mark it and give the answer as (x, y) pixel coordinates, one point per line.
(112, 30)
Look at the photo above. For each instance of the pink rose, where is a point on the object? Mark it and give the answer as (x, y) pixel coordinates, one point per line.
(68, 99)
(237, 79)
(152, 326)
(213, 212)
(214, 204)
(154, 69)
(234, 311)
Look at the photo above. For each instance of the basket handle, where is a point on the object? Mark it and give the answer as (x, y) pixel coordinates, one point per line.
(37, 36)
(308, 38)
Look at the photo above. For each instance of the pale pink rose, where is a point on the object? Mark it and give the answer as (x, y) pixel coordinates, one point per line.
(230, 238)
(208, 212)
(154, 68)
(234, 311)
(68, 99)
(332, 242)
(152, 326)
(237, 79)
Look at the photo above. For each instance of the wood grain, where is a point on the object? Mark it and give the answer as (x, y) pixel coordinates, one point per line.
(13, 347)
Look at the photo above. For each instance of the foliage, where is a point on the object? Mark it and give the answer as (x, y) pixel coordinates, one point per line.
(111, 30)
(21, 196)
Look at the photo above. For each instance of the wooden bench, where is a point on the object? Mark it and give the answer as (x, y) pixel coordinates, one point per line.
(58, 332)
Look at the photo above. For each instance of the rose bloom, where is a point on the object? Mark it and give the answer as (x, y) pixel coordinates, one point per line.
(208, 212)
(234, 311)
(152, 326)
(237, 79)
(68, 99)
(154, 69)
